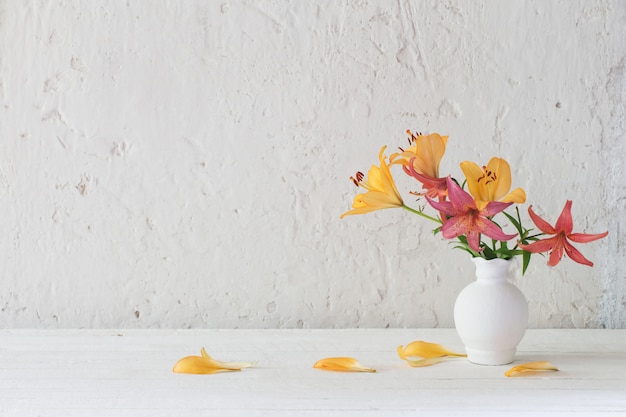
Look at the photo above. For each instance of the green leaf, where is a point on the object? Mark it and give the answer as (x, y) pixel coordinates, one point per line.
(515, 222)
(488, 252)
(468, 250)
(525, 261)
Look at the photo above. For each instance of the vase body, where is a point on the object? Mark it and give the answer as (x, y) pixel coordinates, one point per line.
(491, 314)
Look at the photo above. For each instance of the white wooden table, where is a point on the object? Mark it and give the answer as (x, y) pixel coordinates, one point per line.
(66, 373)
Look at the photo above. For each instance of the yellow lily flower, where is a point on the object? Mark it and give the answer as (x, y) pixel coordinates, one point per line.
(205, 364)
(381, 189)
(342, 364)
(425, 151)
(491, 182)
(531, 367)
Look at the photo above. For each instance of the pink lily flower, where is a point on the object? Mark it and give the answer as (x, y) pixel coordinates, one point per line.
(464, 217)
(559, 244)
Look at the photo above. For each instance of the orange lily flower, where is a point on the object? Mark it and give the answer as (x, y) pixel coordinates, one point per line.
(381, 189)
(491, 183)
(559, 245)
(425, 153)
(421, 161)
(465, 218)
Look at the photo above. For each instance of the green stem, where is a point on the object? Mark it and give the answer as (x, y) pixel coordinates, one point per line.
(420, 213)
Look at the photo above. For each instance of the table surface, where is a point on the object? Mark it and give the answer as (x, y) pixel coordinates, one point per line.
(48, 373)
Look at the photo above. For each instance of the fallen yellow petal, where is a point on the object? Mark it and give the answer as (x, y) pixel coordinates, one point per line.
(227, 365)
(204, 364)
(200, 365)
(342, 364)
(531, 367)
(426, 361)
(425, 350)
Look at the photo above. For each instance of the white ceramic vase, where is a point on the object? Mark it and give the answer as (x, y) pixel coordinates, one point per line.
(491, 314)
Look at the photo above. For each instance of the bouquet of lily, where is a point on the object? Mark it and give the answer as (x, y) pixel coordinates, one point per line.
(468, 217)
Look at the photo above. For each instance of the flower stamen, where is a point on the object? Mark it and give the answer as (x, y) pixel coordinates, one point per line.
(413, 137)
(359, 178)
(488, 176)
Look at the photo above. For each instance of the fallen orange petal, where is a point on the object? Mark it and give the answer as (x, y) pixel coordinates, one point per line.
(531, 367)
(425, 350)
(342, 364)
(206, 365)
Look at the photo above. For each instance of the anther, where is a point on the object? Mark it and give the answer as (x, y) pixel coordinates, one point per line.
(413, 137)
(358, 179)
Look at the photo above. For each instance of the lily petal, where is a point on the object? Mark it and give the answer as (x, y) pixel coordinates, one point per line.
(585, 237)
(423, 349)
(431, 149)
(228, 364)
(444, 207)
(494, 207)
(420, 363)
(502, 184)
(516, 196)
(199, 365)
(341, 364)
(539, 246)
(556, 254)
(455, 226)
(205, 364)
(565, 223)
(473, 240)
(472, 173)
(575, 255)
(541, 224)
(489, 228)
(531, 367)
(461, 201)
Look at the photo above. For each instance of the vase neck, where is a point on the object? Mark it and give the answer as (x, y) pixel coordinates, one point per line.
(491, 270)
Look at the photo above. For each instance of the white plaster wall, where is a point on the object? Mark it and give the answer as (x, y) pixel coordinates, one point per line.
(185, 163)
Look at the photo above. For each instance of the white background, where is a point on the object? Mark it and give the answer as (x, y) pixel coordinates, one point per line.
(184, 163)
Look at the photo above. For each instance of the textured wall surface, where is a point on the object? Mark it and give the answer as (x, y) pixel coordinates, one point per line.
(185, 163)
